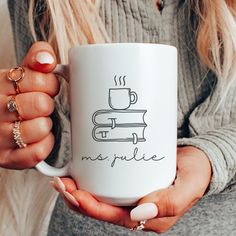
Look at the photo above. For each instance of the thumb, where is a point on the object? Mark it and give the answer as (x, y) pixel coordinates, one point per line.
(40, 57)
(169, 202)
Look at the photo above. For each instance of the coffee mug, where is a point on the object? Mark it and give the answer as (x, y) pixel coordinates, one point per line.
(123, 120)
(121, 98)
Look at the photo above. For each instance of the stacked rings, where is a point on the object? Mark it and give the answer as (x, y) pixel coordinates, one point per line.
(16, 75)
(140, 226)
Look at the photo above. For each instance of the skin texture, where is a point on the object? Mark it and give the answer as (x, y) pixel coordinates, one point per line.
(35, 104)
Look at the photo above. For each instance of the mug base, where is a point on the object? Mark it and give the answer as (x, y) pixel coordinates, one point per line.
(119, 201)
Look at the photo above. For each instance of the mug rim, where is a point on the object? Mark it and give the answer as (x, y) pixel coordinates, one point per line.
(105, 45)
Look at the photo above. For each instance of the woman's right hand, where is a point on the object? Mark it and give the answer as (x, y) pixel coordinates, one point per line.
(35, 104)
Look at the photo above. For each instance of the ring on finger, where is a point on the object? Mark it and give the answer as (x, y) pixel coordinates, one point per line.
(12, 107)
(16, 75)
(140, 226)
(17, 135)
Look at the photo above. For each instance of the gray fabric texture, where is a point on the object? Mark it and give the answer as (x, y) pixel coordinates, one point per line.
(214, 215)
(200, 123)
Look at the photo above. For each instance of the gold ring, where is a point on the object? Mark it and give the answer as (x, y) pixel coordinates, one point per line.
(12, 107)
(17, 135)
(140, 226)
(15, 75)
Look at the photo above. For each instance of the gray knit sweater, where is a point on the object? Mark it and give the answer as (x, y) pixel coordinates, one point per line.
(199, 92)
(199, 124)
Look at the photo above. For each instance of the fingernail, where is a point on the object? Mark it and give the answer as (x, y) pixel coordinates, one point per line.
(44, 58)
(144, 211)
(61, 187)
(52, 183)
(70, 198)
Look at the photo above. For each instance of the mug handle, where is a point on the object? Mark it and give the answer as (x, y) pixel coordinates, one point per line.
(43, 167)
(134, 97)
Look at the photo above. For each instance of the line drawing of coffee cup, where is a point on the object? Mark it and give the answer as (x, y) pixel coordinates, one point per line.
(121, 98)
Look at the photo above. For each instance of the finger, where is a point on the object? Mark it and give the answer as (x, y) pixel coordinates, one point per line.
(40, 57)
(71, 205)
(173, 202)
(70, 184)
(65, 184)
(170, 202)
(32, 131)
(161, 225)
(90, 206)
(33, 81)
(29, 156)
(184, 192)
(175, 199)
(60, 185)
(30, 106)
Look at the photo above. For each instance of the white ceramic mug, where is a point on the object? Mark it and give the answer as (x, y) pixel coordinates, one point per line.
(122, 153)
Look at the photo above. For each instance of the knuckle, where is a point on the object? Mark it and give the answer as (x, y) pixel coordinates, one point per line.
(44, 82)
(53, 84)
(3, 159)
(174, 205)
(39, 153)
(43, 149)
(43, 104)
(45, 125)
(3, 73)
(38, 81)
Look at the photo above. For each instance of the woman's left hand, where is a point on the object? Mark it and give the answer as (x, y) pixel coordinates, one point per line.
(161, 208)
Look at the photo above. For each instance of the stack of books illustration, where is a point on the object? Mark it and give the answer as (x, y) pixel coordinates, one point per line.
(120, 124)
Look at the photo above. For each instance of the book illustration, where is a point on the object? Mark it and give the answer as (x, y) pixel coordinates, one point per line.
(118, 117)
(119, 134)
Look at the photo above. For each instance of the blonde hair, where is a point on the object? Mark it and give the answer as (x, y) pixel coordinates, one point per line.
(216, 36)
(77, 22)
(70, 22)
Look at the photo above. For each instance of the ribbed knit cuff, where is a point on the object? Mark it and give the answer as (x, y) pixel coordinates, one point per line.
(216, 151)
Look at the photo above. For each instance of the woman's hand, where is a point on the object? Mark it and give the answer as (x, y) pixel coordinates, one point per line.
(35, 104)
(161, 209)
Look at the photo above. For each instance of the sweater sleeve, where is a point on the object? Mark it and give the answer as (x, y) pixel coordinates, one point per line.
(212, 127)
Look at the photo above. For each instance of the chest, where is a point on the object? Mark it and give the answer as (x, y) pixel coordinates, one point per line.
(141, 21)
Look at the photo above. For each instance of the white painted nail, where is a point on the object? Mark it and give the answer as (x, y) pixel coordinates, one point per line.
(53, 185)
(61, 187)
(70, 198)
(144, 211)
(44, 58)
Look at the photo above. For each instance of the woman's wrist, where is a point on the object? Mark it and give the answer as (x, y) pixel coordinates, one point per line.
(202, 163)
